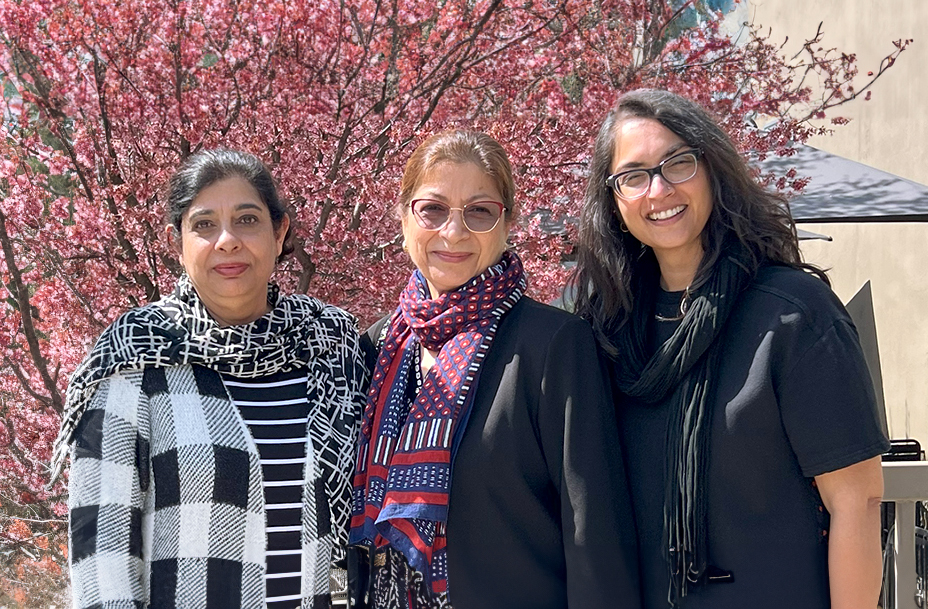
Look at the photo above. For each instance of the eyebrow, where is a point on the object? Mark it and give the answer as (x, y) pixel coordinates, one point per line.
(473, 199)
(669, 153)
(200, 213)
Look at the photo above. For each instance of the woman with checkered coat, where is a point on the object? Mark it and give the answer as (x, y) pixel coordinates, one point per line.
(211, 433)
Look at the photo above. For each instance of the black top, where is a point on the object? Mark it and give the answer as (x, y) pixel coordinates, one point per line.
(792, 400)
(539, 514)
(276, 411)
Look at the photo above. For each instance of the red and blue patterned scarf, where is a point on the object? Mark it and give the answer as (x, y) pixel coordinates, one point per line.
(403, 472)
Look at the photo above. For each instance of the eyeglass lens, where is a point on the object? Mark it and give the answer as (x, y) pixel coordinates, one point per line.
(675, 170)
(479, 217)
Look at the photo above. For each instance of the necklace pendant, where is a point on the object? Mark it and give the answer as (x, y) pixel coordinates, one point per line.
(684, 307)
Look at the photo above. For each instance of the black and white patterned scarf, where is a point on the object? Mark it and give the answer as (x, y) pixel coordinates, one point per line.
(178, 330)
(298, 331)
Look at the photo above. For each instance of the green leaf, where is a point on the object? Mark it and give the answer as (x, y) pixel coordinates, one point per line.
(37, 165)
(50, 139)
(9, 89)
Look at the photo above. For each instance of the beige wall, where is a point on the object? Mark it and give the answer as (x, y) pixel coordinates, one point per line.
(890, 131)
(894, 257)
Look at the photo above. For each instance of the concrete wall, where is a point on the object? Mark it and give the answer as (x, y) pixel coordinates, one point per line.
(890, 131)
(894, 257)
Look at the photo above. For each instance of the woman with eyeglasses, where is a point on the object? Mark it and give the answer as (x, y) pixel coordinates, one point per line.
(489, 471)
(748, 419)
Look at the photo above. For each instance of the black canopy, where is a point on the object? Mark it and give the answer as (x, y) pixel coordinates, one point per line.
(842, 190)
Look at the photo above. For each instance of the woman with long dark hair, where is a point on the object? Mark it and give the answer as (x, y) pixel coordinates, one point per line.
(747, 416)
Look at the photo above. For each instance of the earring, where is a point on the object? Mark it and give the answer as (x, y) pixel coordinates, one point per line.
(618, 216)
(405, 247)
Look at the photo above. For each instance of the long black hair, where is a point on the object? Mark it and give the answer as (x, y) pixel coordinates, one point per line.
(747, 220)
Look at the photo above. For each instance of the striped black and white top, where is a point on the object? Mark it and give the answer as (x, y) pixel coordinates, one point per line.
(276, 410)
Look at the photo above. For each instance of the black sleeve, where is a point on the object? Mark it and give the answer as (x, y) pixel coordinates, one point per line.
(827, 404)
(581, 445)
(371, 341)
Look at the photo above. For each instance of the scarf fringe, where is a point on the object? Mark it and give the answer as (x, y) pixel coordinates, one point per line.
(682, 369)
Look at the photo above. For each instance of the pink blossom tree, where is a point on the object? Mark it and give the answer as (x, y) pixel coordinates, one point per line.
(102, 100)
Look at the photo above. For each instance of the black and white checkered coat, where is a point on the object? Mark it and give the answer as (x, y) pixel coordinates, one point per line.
(166, 489)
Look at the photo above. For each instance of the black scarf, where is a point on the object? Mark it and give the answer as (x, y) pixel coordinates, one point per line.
(683, 367)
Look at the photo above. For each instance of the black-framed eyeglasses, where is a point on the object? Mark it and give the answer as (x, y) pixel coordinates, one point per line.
(636, 183)
(479, 216)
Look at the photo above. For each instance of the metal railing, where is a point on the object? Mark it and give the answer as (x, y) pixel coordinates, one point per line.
(906, 483)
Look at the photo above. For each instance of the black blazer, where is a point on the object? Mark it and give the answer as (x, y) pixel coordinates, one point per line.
(539, 515)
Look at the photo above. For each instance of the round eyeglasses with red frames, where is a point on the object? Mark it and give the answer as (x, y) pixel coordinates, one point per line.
(479, 216)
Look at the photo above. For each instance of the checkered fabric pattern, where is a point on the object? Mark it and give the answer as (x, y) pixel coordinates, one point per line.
(167, 503)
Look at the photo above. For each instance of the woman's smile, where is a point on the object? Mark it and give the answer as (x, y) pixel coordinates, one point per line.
(657, 216)
(452, 257)
(229, 248)
(668, 217)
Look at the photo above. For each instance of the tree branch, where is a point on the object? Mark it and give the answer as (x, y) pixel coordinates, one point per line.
(21, 294)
